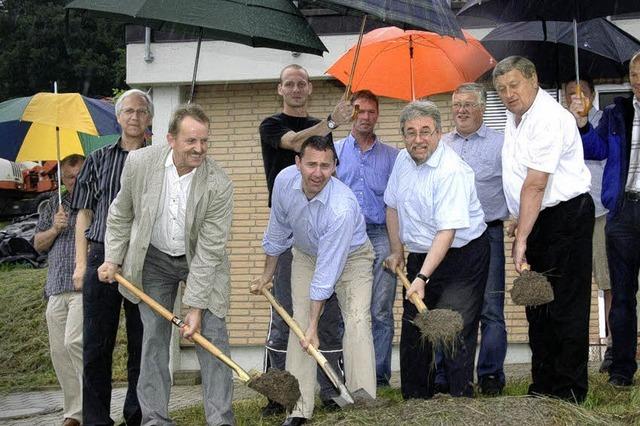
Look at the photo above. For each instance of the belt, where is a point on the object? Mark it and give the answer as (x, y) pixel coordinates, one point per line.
(632, 196)
(497, 222)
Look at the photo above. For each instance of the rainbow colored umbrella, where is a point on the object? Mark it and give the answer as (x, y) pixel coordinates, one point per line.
(28, 126)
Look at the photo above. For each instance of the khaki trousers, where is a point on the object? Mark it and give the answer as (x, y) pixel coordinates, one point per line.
(353, 290)
(64, 320)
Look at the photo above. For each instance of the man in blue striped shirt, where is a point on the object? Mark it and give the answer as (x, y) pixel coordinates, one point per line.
(96, 187)
(320, 217)
(365, 164)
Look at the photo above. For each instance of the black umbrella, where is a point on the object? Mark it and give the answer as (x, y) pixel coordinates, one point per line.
(276, 24)
(549, 10)
(430, 15)
(603, 47)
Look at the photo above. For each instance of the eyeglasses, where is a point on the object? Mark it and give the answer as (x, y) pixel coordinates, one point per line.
(424, 133)
(467, 105)
(130, 111)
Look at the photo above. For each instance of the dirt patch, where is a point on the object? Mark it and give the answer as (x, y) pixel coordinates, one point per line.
(508, 410)
(440, 326)
(531, 289)
(278, 385)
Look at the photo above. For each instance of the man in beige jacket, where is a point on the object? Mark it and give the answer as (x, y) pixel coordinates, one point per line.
(170, 222)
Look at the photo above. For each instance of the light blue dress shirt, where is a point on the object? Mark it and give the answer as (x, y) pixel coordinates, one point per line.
(329, 227)
(366, 173)
(482, 151)
(596, 167)
(439, 194)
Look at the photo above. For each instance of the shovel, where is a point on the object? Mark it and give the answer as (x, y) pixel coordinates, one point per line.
(286, 395)
(344, 398)
(439, 326)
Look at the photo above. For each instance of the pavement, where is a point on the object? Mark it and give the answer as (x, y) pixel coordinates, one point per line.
(44, 408)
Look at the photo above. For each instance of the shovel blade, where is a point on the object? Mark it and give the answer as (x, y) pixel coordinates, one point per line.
(344, 398)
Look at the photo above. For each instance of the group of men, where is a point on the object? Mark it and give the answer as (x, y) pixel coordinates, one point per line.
(341, 216)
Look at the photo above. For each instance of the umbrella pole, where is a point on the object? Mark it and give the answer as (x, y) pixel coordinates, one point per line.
(195, 67)
(55, 90)
(413, 83)
(347, 90)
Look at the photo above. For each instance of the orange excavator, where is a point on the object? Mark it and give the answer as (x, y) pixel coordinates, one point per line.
(23, 186)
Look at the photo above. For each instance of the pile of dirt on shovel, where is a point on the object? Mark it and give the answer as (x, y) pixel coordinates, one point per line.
(441, 327)
(445, 410)
(278, 385)
(531, 289)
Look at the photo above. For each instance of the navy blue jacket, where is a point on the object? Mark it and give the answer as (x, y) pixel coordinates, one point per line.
(611, 140)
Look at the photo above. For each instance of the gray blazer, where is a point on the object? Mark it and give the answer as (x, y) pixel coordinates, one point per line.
(207, 225)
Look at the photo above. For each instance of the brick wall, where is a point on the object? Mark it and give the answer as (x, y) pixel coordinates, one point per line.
(236, 111)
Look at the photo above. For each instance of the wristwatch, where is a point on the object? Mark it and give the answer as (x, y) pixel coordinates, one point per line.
(331, 124)
(423, 277)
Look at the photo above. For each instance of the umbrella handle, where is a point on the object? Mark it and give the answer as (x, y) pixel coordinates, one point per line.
(585, 101)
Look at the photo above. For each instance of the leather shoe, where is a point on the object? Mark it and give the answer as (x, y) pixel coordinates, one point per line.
(294, 421)
(272, 408)
(606, 361)
(620, 382)
(490, 385)
(70, 422)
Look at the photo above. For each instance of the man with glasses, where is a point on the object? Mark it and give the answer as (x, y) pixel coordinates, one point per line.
(481, 148)
(433, 209)
(96, 187)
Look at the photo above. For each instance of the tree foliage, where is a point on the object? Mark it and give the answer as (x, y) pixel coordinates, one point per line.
(41, 43)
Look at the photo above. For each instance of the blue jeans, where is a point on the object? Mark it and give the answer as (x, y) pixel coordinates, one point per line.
(382, 298)
(493, 340)
(623, 252)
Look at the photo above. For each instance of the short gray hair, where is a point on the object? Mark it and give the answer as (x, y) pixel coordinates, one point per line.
(635, 57)
(418, 109)
(476, 88)
(136, 92)
(520, 63)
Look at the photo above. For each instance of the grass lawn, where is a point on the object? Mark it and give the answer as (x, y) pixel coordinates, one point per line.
(604, 406)
(24, 342)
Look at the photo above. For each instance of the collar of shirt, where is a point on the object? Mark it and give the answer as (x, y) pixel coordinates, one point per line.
(636, 104)
(168, 164)
(352, 140)
(539, 99)
(435, 158)
(322, 196)
(481, 132)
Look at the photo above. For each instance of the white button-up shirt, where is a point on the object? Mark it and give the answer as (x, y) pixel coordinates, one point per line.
(547, 139)
(168, 230)
(329, 227)
(439, 194)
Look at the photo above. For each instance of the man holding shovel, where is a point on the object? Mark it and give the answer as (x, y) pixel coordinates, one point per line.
(170, 223)
(433, 209)
(281, 136)
(546, 185)
(319, 217)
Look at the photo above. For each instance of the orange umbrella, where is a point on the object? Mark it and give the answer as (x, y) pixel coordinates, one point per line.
(412, 64)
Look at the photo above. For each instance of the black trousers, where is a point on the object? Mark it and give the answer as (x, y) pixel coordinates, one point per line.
(560, 246)
(457, 283)
(101, 312)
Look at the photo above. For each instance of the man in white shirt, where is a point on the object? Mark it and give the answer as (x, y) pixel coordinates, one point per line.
(546, 185)
(433, 209)
(170, 223)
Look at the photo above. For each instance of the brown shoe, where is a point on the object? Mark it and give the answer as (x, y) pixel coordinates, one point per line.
(70, 422)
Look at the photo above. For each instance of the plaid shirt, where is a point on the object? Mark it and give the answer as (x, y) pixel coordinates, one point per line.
(62, 254)
(97, 186)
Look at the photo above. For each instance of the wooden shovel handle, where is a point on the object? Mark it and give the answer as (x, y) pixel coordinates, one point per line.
(293, 325)
(197, 337)
(415, 299)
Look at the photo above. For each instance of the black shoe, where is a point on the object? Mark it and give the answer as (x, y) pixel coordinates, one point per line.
(329, 404)
(294, 421)
(441, 388)
(272, 408)
(606, 361)
(490, 385)
(620, 382)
